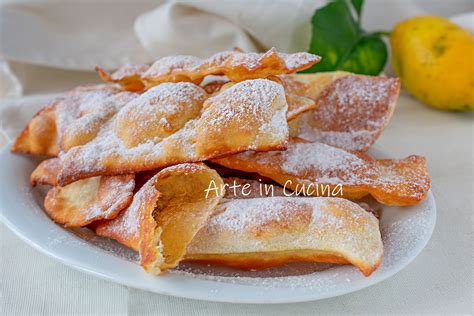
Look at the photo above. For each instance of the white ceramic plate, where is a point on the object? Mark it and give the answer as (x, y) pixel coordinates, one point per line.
(405, 233)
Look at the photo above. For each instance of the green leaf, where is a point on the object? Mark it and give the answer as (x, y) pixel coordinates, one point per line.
(334, 34)
(342, 44)
(357, 4)
(368, 56)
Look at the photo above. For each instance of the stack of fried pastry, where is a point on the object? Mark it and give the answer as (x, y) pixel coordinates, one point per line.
(153, 157)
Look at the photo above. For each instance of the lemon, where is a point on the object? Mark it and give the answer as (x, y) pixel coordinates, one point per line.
(434, 59)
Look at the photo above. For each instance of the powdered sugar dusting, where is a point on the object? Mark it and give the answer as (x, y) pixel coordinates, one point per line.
(404, 233)
(82, 112)
(127, 224)
(301, 157)
(129, 70)
(256, 98)
(256, 107)
(353, 140)
(261, 100)
(248, 60)
(159, 112)
(224, 63)
(237, 215)
(392, 181)
(119, 189)
(70, 106)
(285, 223)
(351, 112)
(292, 62)
(314, 162)
(298, 60)
(178, 63)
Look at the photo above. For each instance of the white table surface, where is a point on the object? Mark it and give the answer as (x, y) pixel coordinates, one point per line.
(440, 280)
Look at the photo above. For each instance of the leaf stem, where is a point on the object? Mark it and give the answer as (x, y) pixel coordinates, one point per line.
(381, 33)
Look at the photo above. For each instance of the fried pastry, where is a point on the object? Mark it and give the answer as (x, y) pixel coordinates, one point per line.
(70, 120)
(321, 170)
(351, 110)
(214, 86)
(128, 76)
(235, 65)
(173, 217)
(296, 104)
(46, 172)
(264, 232)
(91, 117)
(85, 201)
(165, 215)
(39, 137)
(238, 188)
(250, 115)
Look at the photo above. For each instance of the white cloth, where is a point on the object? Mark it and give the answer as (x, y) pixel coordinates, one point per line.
(202, 28)
(79, 35)
(82, 34)
(10, 86)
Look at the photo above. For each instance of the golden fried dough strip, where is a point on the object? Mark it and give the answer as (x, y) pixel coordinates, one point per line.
(71, 119)
(317, 169)
(165, 215)
(46, 172)
(214, 86)
(296, 104)
(170, 219)
(351, 110)
(264, 232)
(93, 114)
(171, 123)
(39, 137)
(238, 188)
(85, 201)
(128, 76)
(237, 66)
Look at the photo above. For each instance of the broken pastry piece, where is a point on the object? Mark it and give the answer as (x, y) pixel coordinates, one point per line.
(264, 232)
(351, 110)
(322, 170)
(165, 215)
(235, 65)
(128, 76)
(250, 115)
(70, 120)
